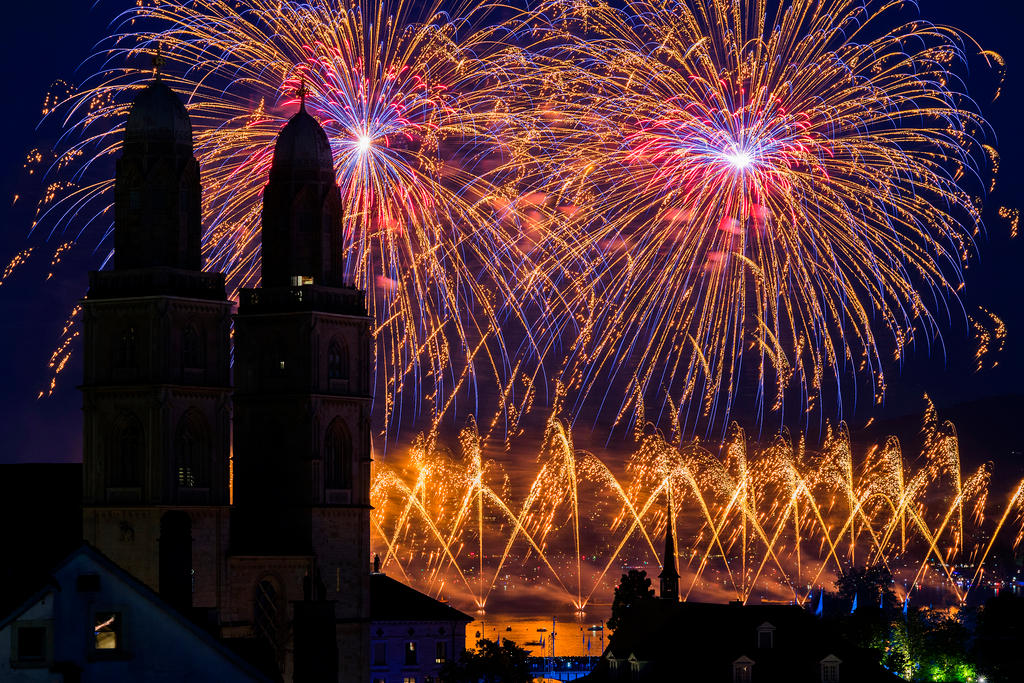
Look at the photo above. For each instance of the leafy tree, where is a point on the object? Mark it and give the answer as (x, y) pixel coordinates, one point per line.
(927, 645)
(999, 638)
(871, 624)
(634, 587)
(871, 585)
(943, 655)
(491, 663)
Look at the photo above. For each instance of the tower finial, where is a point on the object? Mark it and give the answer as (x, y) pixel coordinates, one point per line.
(302, 91)
(158, 60)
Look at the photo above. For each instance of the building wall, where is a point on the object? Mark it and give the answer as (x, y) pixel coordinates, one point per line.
(155, 644)
(130, 536)
(394, 637)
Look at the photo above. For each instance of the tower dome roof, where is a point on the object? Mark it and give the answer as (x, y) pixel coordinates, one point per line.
(158, 113)
(303, 144)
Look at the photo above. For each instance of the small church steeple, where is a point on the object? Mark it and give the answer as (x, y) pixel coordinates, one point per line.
(669, 574)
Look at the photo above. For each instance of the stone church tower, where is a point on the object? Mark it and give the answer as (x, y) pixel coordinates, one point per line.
(156, 391)
(302, 410)
(288, 562)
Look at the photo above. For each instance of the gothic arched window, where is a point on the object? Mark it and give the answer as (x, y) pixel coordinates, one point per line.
(337, 360)
(266, 611)
(124, 352)
(125, 466)
(338, 456)
(192, 347)
(192, 452)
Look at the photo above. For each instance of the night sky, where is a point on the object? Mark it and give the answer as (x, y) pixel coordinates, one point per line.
(46, 41)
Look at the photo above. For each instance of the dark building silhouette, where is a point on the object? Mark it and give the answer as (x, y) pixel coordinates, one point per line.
(283, 573)
(87, 619)
(732, 643)
(301, 228)
(668, 640)
(302, 405)
(156, 388)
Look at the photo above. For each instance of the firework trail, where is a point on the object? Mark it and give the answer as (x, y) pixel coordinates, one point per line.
(408, 97)
(669, 198)
(776, 517)
(746, 194)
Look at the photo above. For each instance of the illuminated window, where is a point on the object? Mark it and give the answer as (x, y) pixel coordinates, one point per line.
(830, 669)
(338, 456)
(107, 631)
(410, 653)
(441, 655)
(380, 654)
(409, 679)
(191, 451)
(742, 670)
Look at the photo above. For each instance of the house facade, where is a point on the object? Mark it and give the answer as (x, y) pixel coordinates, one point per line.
(90, 621)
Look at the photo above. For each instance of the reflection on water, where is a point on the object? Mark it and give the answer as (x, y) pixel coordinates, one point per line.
(575, 635)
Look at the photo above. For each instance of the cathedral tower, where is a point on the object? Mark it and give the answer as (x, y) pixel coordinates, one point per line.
(302, 413)
(156, 392)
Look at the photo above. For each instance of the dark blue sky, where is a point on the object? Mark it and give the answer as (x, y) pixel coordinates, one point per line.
(46, 40)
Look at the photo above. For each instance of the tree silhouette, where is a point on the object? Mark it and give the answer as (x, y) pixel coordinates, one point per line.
(634, 587)
(490, 663)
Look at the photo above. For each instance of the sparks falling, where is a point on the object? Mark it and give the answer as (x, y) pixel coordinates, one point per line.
(407, 96)
(756, 197)
(778, 518)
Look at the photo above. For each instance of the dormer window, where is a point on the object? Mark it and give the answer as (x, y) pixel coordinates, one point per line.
(742, 670)
(830, 669)
(765, 636)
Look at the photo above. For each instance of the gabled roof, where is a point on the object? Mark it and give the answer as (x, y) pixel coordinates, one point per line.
(50, 584)
(392, 600)
(707, 639)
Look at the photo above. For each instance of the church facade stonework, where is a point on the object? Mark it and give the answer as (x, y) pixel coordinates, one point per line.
(246, 497)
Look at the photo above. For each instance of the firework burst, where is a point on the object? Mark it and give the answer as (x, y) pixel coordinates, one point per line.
(407, 97)
(760, 195)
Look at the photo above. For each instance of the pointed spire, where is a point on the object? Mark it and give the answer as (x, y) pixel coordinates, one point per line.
(158, 60)
(669, 573)
(301, 92)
